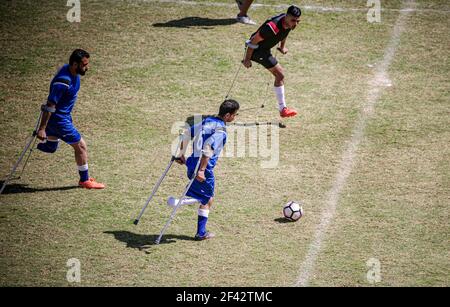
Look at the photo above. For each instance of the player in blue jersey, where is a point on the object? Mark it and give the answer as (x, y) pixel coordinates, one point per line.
(209, 138)
(56, 123)
(274, 30)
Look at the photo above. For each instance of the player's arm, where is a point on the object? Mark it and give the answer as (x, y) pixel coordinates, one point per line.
(207, 153)
(58, 88)
(185, 138)
(212, 147)
(47, 110)
(282, 47)
(252, 44)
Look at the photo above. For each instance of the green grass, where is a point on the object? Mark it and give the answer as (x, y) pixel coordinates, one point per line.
(395, 208)
(144, 78)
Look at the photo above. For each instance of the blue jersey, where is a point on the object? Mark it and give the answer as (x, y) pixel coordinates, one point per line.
(211, 131)
(64, 89)
(63, 93)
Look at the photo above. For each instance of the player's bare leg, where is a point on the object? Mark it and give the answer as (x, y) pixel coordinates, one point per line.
(81, 157)
(278, 73)
(242, 17)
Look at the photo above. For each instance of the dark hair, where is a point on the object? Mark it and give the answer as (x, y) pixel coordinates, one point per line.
(77, 55)
(228, 106)
(294, 11)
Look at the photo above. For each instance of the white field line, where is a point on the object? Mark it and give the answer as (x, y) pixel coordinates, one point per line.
(313, 8)
(376, 85)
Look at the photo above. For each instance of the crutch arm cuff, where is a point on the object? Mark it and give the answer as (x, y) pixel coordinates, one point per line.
(47, 108)
(249, 44)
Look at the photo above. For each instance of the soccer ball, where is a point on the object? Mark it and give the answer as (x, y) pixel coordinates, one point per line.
(292, 211)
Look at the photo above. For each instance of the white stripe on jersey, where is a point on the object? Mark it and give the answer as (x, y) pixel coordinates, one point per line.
(61, 84)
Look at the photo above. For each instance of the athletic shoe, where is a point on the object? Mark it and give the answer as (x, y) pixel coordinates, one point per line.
(91, 184)
(286, 112)
(208, 235)
(245, 20)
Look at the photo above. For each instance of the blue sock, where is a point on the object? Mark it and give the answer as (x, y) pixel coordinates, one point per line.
(202, 220)
(84, 172)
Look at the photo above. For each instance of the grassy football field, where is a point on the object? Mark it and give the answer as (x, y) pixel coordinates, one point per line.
(375, 185)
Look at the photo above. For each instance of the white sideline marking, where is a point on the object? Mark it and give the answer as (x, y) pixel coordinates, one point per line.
(376, 85)
(313, 8)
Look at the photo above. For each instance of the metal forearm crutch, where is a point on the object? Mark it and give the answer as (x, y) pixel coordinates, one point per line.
(236, 75)
(30, 140)
(155, 189)
(172, 215)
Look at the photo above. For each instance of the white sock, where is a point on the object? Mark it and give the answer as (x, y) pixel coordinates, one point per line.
(203, 212)
(279, 92)
(83, 168)
(172, 201)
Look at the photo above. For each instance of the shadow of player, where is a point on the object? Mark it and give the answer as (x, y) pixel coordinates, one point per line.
(188, 22)
(142, 242)
(17, 188)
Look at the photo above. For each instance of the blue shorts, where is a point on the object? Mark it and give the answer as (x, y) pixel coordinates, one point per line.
(63, 128)
(203, 191)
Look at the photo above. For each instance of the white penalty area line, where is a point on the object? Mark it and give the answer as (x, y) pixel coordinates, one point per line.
(313, 8)
(376, 85)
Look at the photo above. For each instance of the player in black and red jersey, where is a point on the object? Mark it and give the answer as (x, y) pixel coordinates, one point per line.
(274, 30)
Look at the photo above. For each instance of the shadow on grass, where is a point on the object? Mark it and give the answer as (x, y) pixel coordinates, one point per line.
(142, 242)
(188, 22)
(17, 188)
(282, 220)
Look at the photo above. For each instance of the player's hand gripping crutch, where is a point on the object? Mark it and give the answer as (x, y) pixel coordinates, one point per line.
(172, 159)
(172, 215)
(30, 140)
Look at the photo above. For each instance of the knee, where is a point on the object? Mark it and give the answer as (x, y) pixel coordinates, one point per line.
(80, 147)
(208, 205)
(210, 202)
(279, 77)
(48, 146)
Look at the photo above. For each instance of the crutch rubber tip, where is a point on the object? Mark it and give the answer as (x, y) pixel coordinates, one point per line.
(136, 222)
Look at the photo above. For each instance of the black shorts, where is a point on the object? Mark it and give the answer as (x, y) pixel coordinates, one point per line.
(265, 58)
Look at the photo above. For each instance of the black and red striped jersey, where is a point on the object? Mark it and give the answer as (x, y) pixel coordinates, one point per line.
(272, 31)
